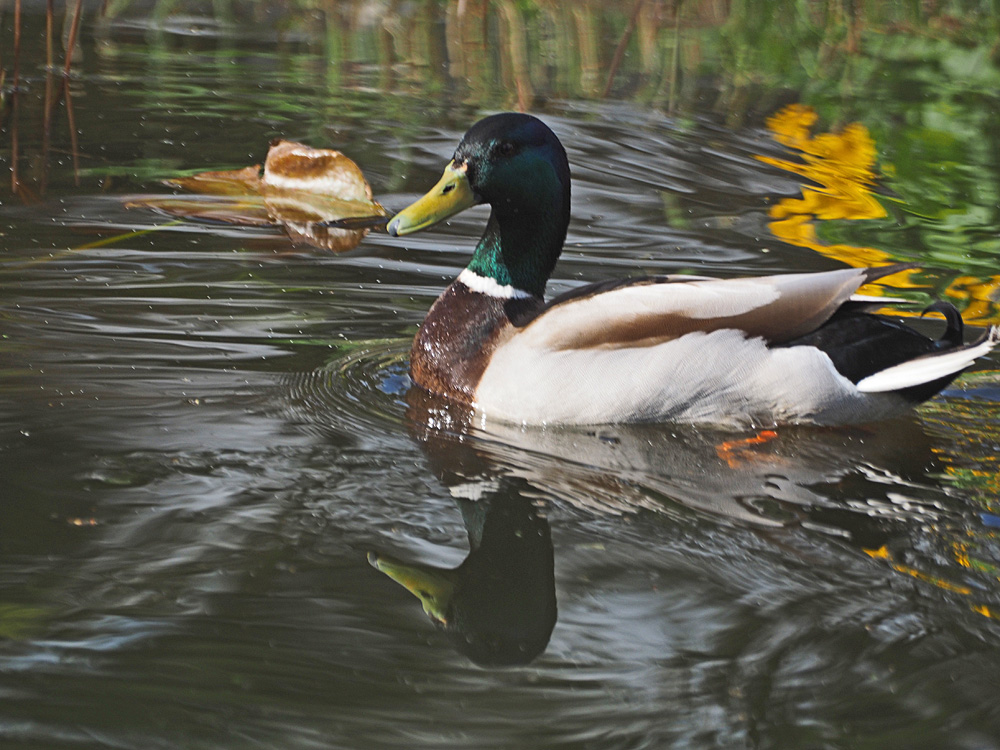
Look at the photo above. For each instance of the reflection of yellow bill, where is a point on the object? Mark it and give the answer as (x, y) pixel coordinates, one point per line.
(434, 587)
(841, 167)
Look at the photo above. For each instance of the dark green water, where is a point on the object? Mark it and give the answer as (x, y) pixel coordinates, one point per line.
(205, 430)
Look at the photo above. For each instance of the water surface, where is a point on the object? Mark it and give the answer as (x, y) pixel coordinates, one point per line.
(205, 430)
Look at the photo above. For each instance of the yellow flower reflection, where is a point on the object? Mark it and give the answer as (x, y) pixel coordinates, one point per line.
(970, 429)
(980, 298)
(840, 168)
(883, 553)
(841, 164)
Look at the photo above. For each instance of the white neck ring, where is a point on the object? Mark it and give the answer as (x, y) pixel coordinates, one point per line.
(490, 287)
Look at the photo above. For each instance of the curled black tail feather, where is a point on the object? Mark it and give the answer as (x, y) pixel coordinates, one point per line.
(954, 334)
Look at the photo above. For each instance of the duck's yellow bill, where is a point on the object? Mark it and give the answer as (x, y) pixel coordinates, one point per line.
(451, 195)
(432, 586)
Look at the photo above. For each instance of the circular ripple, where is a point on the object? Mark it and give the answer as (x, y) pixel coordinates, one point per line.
(361, 388)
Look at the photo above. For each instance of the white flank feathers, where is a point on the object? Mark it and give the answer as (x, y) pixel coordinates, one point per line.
(490, 287)
(928, 368)
(720, 377)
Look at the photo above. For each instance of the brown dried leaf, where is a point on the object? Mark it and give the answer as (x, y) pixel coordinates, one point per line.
(244, 181)
(300, 189)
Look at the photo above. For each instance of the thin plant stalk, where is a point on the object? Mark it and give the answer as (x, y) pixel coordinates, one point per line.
(17, 43)
(14, 182)
(73, 30)
(622, 44)
(51, 96)
(49, 47)
(71, 121)
(675, 59)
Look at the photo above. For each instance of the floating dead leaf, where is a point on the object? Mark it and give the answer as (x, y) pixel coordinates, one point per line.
(236, 182)
(248, 211)
(300, 189)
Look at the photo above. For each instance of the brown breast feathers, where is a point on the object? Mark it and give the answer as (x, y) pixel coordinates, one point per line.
(458, 337)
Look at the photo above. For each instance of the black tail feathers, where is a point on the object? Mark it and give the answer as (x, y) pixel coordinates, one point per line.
(954, 334)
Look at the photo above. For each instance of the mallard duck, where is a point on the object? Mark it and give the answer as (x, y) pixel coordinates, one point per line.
(795, 348)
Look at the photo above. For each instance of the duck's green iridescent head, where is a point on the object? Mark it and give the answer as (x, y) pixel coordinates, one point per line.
(517, 165)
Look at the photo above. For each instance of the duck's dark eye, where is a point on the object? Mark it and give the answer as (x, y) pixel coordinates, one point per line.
(506, 148)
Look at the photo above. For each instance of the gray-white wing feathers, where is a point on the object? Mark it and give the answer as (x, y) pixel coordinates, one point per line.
(775, 308)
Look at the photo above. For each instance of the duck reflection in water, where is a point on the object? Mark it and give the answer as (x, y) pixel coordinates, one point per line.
(860, 486)
(499, 606)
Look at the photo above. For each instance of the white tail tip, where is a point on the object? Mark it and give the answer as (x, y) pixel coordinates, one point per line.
(930, 367)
